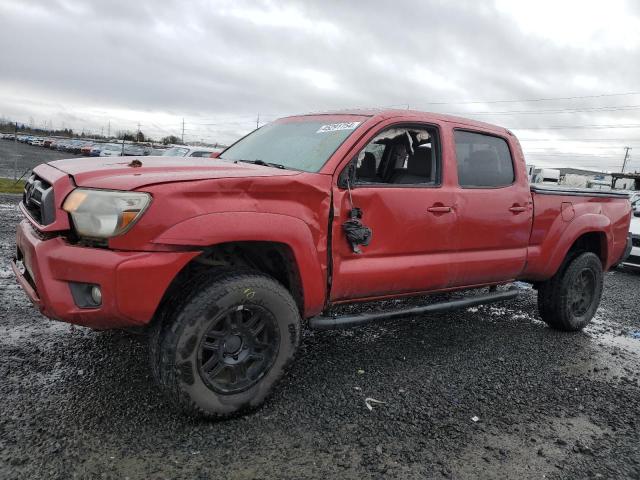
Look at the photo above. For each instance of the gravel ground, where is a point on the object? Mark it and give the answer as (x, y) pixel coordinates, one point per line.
(489, 392)
(28, 157)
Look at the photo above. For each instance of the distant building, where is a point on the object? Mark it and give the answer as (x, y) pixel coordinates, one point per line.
(626, 181)
(579, 178)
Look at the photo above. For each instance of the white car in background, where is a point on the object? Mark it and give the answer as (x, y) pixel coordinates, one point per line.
(188, 151)
(634, 258)
(111, 150)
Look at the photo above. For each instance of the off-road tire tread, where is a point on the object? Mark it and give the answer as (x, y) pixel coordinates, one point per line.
(552, 294)
(167, 333)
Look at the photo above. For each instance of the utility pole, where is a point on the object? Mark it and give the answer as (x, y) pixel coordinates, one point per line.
(15, 145)
(183, 130)
(109, 130)
(258, 122)
(626, 157)
(138, 136)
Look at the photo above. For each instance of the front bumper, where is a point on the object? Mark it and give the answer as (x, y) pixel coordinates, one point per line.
(132, 283)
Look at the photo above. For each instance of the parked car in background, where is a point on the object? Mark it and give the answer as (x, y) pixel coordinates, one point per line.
(61, 145)
(95, 149)
(634, 229)
(157, 152)
(111, 150)
(188, 151)
(85, 150)
(37, 142)
(133, 150)
(77, 146)
(47, 142)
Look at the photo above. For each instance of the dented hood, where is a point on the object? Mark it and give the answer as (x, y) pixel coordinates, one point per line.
(117, 173)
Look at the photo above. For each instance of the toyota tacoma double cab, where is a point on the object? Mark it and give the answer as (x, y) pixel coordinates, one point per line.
(225, 259)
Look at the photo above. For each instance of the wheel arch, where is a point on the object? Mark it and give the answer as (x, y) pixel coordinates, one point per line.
(589, 232)
(280, 246)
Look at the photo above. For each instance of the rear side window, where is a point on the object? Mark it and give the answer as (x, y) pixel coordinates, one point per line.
(483, 160)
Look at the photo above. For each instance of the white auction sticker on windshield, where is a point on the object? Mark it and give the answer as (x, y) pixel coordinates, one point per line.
(334, 127)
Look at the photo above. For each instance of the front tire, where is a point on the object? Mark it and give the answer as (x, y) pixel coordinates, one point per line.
(569, 300)
(222, 349)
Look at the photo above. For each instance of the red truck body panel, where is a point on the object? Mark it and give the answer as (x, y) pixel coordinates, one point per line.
(132, 283)
(483, 236)
(561, 219)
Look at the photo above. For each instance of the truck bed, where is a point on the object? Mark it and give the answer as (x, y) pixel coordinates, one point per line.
(563, 214)
(574, 191)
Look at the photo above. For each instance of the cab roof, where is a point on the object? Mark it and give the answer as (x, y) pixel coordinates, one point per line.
(430, 117)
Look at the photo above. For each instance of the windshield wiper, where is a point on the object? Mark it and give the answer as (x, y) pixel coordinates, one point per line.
(262, 162)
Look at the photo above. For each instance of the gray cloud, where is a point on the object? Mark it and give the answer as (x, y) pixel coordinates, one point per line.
(219, 64)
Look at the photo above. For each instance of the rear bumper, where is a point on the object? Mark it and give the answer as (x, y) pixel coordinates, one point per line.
(132, 283)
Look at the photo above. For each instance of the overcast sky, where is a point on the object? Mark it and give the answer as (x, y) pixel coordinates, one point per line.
(218, 64)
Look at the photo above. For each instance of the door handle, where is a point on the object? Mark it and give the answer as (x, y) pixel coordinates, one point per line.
(517, 209)
(439, 209)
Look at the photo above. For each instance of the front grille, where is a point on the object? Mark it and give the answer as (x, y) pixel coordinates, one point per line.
(635, 241)
(38, 200)
(44, 236)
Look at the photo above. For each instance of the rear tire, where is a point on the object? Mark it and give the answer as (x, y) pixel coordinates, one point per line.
(569, 300)
(221, 349)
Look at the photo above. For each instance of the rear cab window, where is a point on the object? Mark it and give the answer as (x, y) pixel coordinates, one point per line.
(484, 161)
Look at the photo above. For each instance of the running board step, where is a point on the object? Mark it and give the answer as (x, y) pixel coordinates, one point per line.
(346, 321)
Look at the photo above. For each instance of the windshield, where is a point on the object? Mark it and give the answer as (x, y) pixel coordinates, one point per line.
(301, 144)
(175, 152)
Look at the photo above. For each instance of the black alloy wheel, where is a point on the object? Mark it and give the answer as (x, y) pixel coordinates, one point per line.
(238, 348)
(582, 292)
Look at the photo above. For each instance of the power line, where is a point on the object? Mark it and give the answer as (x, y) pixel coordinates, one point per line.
(570, 155)
(578, 140)
(571, 127)
(554, 111)
(590, 147)
(471, 102)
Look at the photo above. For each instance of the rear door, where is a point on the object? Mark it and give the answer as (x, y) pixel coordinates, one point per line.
(398, 188)
(493, 206)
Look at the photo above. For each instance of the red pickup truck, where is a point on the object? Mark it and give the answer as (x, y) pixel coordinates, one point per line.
(223, 259)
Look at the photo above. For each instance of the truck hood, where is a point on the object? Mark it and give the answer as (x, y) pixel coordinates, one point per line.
(118, 173)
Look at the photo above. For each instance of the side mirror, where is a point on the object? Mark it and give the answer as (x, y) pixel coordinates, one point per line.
(347, 176)
(636, 210)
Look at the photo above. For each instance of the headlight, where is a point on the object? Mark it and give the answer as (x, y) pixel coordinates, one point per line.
(104, 213)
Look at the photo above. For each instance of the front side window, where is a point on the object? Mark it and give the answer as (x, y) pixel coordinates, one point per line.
(401, 156)
(483, 160)
(299, 143)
